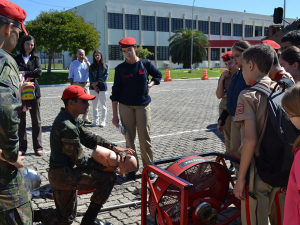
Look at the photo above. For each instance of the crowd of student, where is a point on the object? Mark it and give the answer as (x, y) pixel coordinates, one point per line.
(243, 120)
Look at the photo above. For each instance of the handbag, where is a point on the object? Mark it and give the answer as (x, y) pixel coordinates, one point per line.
(28, 90)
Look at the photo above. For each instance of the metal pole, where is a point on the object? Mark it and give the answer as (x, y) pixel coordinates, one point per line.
(284, 14)
(192, 37)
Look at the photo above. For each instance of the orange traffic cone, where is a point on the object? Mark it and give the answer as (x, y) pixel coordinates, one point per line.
(168, 77)
(205, 77)
(223, 69)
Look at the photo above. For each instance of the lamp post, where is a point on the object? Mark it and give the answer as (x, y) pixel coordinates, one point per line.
(284, 13)
(192, 38)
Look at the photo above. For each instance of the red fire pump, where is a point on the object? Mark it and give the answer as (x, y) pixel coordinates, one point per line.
(192, 190)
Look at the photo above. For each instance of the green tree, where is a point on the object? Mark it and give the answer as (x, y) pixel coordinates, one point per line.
(144, 52)
(57, 31)
(180, 47)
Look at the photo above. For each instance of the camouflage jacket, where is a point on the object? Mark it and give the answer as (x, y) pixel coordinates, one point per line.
(13, 190)
(67, 135)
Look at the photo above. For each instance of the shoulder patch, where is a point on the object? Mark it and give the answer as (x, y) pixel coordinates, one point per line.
(239, 109)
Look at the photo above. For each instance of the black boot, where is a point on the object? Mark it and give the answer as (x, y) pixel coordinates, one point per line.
(90, 217)
(36, 216)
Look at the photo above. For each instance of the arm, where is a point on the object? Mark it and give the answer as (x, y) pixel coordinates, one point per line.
(115, 119)
(37, 72)
(105, 74)
(297, 169)
(155, 73)
(246, 157)
(220, 89)
(71, 74)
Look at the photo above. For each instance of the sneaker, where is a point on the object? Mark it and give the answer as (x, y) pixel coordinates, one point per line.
(95, 124)
(88, 121)
(102, 124)
(232, 169)
(151, 175)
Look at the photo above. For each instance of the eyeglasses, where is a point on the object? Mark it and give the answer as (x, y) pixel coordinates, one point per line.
(288, 116)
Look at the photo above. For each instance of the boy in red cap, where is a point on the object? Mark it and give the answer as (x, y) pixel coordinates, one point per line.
(67, 136)
(15, 207)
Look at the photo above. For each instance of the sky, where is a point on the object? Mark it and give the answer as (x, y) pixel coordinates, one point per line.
(264, 7)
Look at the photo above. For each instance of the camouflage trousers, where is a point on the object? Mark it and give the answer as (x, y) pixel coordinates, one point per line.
(65, 182)
(20, 216)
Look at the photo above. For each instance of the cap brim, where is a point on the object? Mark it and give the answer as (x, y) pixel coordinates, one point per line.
(23, 27)
(87, 97)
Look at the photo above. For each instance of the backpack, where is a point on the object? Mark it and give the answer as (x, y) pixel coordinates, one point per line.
(28, 90)
(275, 157)
(145, 65)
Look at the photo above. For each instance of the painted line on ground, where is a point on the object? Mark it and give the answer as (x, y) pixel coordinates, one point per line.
(165, 135)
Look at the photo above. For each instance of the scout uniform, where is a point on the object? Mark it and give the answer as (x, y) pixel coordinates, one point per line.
(223, 104)
(15, 207)
(66, 139)
(252, 105)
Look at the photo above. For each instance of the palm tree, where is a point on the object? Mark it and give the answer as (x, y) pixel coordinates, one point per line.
(180, 47)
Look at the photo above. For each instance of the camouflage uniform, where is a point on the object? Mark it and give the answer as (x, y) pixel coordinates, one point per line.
(67, 135)
(15, 207)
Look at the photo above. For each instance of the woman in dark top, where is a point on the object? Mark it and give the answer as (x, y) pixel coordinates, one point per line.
(131, 90)
(98, 74)
(30, 66)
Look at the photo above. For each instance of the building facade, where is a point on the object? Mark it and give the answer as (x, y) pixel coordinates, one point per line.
(152, 23)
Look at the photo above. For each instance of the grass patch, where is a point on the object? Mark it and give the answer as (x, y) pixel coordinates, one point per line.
(61, 77)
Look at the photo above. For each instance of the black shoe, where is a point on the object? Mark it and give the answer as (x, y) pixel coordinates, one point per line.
(96, 222)
(232, 170)
(151, 175)
(131, 175)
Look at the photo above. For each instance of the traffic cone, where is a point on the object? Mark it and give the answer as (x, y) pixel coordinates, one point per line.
(205, 77)
(223, 69)
(168, 77)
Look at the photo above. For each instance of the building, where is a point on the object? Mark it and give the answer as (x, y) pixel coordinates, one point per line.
(152, 23)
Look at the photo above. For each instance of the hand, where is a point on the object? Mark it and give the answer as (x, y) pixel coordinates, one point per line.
(225, 74)
(220, 129)
(282, 190)
(94, 84)
(85, 59)
(18, 163)
(239, 189)
(115, 121)
(119, 150)
(96, 89)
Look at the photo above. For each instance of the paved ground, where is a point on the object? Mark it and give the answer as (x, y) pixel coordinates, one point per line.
(184, 115)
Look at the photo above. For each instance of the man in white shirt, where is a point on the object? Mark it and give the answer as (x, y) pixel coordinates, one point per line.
(79, 75)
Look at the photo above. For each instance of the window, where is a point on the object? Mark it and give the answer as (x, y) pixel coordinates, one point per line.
(115, 52)
(150, 49)
(237, 30)
(215, 54)
(215, 28)
(148, 23)
(258, 31)
(163, 24)
(248, 31)
(223, 50)
(115, 21)
(162, 53)
(176, 24)
(266, 29)
(188, 24)
(226, 29)
(131, 22)
(203, 26)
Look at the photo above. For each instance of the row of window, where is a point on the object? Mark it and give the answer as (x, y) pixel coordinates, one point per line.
(115, 53)
(115, 21)
(162, 53)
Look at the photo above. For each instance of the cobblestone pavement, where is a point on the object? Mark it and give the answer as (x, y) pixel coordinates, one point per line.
(184, 115)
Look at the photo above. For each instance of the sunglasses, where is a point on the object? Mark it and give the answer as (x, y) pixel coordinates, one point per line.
(22, 33)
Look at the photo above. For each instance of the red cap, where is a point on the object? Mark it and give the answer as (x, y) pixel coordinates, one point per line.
(127, 42)
(13, 11)
(227, 56)
(75, 91)
(273, 44)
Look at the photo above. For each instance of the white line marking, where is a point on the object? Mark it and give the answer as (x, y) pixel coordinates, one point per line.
(171, 134)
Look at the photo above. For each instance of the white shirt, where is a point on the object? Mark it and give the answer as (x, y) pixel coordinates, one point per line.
(79, 71)
(26, 58)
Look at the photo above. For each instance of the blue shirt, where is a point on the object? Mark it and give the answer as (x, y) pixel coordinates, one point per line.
(236, 86)
(79, 71)
(130, 87)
